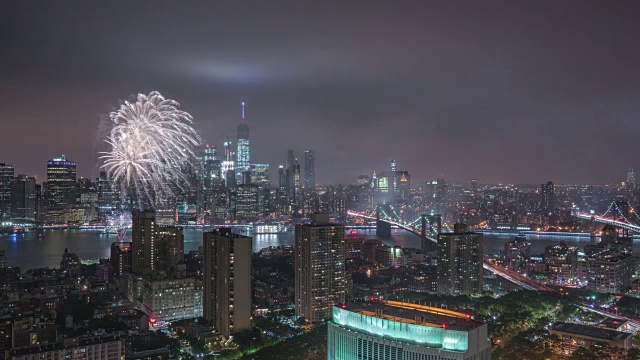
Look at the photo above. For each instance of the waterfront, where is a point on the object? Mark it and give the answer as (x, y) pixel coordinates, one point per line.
(28, 251)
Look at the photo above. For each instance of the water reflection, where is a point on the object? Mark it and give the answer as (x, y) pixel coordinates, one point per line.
(28, 251)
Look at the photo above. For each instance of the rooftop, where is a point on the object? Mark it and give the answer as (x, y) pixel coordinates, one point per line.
(415, 314)
(590, 331)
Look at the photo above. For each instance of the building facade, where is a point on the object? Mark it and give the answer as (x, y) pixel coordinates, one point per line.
(310, 170)
(460, 262)
(244, 153)
(107, 347)
(404, 331)
(227, 281)
(6, 177)
(61, 188)
(23, 199)
(320, 278)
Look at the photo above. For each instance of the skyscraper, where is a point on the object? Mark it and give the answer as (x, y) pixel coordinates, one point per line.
(631, 179)
(228, 163)
(460, 262)
(392, 165)
(23, 199)
(548, 198)
(320, 279)
(309, 170)
(6, 177)
(61, 188)
(227, 281)
(243, 163)
(282, 180)
(247, 202)
(289, 174)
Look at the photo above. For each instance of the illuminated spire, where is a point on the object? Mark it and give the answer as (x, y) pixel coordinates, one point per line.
(243, 112)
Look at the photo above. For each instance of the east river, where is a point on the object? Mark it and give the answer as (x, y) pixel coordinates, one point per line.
(28, 251)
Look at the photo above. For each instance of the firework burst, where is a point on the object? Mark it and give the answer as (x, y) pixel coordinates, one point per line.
(152, 149)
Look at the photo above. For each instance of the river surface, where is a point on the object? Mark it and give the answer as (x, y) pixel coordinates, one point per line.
(28, 251)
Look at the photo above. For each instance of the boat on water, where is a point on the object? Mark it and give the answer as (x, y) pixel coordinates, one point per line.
(270, 229)
(8, 230)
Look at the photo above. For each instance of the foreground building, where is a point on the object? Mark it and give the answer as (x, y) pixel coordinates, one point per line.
(165, 298)
(460, 262)
(320, 279)
(405, 331)
(107, 347)
(227, 281)
(575, 335)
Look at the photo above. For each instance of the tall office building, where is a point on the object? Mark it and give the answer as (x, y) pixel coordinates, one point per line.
(460, 262)
(6, 177)
(260, 174)
(227, 281)
(548, 198)
(247, 202)
(289, 174)
(320, 278)
(213, 177)
(392, 165)
(631, 179)
(282, 180)
(108, 197)
(405, 331)
(143, 241)
(309, 170)
(23, 199)
(228, 164)
(61, 188)
(244, 158)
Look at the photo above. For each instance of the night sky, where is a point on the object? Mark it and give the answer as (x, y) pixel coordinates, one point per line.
(501, 91)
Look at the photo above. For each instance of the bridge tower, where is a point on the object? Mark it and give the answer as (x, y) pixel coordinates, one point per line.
(431, 226)
(383, 228)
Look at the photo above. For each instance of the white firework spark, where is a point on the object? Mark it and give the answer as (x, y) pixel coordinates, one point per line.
(152, 148)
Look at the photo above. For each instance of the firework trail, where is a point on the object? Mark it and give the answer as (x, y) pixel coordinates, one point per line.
(152, 149)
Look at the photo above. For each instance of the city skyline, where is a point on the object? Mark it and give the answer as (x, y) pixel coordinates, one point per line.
(535, 103)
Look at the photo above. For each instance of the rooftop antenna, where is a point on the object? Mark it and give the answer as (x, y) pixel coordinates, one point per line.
(243, 112)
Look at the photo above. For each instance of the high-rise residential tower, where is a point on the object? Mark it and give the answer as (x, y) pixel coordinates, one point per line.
(309, 170)
(143, 241)
(154, 247)
(243, 162)
(6, 177)
(460, 262)
(227, 281)
(61, 188)
(320, 278)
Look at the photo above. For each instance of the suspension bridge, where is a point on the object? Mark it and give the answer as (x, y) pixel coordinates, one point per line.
(619, 214)
(428, 227)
